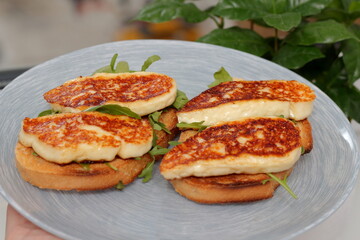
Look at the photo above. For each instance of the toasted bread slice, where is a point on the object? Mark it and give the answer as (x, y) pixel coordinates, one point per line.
(142, 92)
(233, 100)
(229, 188)
(254, 145)
(89, 136)
(72, 176)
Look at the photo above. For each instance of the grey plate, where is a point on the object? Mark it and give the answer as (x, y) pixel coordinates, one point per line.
(322, 179)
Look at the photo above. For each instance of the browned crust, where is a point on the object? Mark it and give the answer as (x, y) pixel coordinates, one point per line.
(228, 189)
(233, 91)
(45, 174)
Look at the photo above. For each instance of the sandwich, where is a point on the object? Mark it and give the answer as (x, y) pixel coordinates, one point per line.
(246, 138)
(99, 131)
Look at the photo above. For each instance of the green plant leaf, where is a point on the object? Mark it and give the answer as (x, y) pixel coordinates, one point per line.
(237, 38)
(111, 166)
(180, 100)
(150, 60)
(113, 109)
(158, 150)
(308, 7)
(294, 57)
(112, 62)
(283, 183)
(283, 21)
(220, 76)
(194, 125)
(351, 53)
(122, 67)
(192, 14)
(120, 186)
(354, 7)
(174, 143)
(147, 172)
(47, 112)
(154, 121)
(106, 69)
(328, 31)
(241, 9)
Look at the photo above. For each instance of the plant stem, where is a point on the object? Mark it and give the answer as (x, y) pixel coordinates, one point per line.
(276, 42)
(219, 24)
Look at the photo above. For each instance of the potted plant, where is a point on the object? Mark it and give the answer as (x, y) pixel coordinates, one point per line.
(320, 38)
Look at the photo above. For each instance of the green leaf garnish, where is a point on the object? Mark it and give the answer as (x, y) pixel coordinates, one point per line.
(35, 154)
(85, 166)
(302, 150)
(147, 172)
(180, 100)
(220, 76)
(174, 143)
(154, 121)
(149, 61)
(281, 116)
(111, 166)
(282, 183)
(112, 62)
(47, 112)
(122, 67)
(113, 109)
(194, 125)
(137, 158)
(120, 186)
(158, 150)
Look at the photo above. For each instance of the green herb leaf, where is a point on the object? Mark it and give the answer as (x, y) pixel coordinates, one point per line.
(180, 100)
(158, 150)
(308, 7)
(174, 143)
(106, 69)
(220, 76)
(193, 125)
(154, 140)
(47, 112)
(149, 61)
(351, 51)
(147, 172)
(154, 121)
(294, 57)
(111, 166)
(122, 67)
(85, 166)
(283, 183)
(302, 150)
(328, 31)
(283, 21)
(35, 154)
(120, 186)
(237, 38)
(113, 109)
(112, 62)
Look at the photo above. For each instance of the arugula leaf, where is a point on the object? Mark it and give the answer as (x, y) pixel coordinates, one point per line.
(147, 172)
(180, 100)
(193, 125)
(47, 112)
(282, 183)
(85, 166)
(122, 67)
(302, 150)
(220, 76)
(174, 143)
(113, 109)
(154, 121)
(112, 62)
(35, 154)
(111, 166)
(149, 61)
(120, 186)
(158, 150)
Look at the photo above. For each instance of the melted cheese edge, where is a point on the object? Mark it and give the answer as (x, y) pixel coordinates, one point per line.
(243, 109)
(85, 151)
(246, 163)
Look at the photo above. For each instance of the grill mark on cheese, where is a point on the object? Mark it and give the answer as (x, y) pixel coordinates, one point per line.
(232, 91)
(233, 139)
(101, 89)
(64, 130)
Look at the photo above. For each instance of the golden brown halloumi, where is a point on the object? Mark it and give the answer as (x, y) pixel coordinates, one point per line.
(234, 100)
(256, 145)
(86, 136)
(142, 92)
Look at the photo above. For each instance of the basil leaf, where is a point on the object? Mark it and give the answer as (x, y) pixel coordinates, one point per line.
(147, 172)
(122, 67)
(154, 121)
(149, 61)
(112, 62)
(174, 143)
(158, 150)
(120, 186)
(283, 21)
(220, 76)
(113, 109)
(240, 39)
(180, 100)
(111, 166)
(47, 112)
(283, 183)
(193, 125)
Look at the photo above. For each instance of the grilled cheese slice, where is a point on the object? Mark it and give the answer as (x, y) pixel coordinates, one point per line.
(86, 136)
(250, 146)
(234, 100)
(142, 92)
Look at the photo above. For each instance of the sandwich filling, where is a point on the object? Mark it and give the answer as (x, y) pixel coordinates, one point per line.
(142, 92)
(233, 100)
(86, 136)
(257, 145)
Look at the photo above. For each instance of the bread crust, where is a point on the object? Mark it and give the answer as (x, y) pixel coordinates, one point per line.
(72, 176)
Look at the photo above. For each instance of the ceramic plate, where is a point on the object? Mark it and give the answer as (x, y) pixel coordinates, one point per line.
(322, 179)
